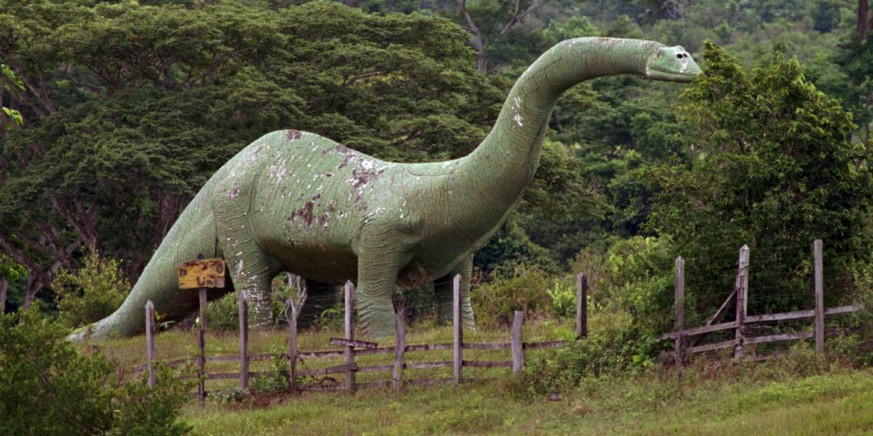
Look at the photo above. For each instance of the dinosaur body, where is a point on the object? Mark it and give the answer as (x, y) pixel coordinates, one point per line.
(299, 202)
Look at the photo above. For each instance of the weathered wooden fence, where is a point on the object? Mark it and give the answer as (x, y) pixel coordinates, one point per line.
(355, 348)
(738, 299)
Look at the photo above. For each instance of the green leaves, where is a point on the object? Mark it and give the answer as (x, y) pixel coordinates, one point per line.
(129, 108)
(773, 169)
(48, 387)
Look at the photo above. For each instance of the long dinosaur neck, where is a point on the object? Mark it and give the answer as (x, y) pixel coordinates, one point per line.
(494, 175)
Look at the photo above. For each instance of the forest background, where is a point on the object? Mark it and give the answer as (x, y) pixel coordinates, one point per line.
(116, 113)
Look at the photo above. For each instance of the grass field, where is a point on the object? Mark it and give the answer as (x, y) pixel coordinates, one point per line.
(653, 402)
(797, 394)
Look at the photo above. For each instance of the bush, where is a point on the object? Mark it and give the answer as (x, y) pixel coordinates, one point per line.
(91, 293)
(140, 410)
(526, 290)
(639, 280)
(563, 299)
(634, 276)
(278, 381)
(47, 387)
(614, 351)
(223, 314)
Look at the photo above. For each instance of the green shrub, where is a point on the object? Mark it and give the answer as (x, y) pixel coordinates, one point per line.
(140, 410)
(634, 276)
(279, 380)
(91, 293)
(526, 290)
(223, 314)
(48, 388)
(614, 351)
(563, 299)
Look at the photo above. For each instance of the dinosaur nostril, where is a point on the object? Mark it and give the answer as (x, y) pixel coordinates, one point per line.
(680, 55)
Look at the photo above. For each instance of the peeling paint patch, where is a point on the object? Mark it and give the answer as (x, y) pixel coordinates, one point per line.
(233, 193)
(304, 213)
(362, 176)
(291, 135)
(341, 149)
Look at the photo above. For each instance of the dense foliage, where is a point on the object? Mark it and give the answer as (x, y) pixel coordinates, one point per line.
(91, 293)
(47, 387)
(128, 109)
(114, 114)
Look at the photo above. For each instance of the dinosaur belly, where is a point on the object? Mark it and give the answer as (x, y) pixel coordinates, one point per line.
(329, 264)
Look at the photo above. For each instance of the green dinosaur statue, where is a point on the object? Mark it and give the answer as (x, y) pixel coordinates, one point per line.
(300, 202)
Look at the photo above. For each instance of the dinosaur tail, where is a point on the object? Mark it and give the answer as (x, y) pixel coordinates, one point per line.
(192, 234)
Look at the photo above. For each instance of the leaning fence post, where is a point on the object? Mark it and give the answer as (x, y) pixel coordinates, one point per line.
(350, 334)
(819, 296)
(742, 286)
(457, 329)
(680, 310)
(517, 346)
(243, 342)
(150, 340)
(399, 351)
(581, 306)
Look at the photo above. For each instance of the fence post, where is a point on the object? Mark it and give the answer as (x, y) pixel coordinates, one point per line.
(292, 348)
(680, 310)
(399, 351)
(201, 371)
(819, 296)
(350, 334)
(150, 340)
(742, 285)
(581, 306)
(517, 347)
(243, 342)
(201, 343)
(457, 329)
(203, 316)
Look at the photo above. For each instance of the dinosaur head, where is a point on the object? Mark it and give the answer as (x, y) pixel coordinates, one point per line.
(672, 64)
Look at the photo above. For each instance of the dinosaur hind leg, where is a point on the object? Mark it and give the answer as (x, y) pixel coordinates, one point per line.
(444, 294)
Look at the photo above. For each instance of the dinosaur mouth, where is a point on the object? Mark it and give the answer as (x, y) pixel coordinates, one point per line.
(684, 75)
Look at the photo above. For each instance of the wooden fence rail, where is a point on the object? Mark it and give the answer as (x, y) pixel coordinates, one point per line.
(353, 348)
(738, 299)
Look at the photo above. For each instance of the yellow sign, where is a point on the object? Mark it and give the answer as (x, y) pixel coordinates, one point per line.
(203, 273)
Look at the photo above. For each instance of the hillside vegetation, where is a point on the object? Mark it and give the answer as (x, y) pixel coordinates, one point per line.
(114, 114)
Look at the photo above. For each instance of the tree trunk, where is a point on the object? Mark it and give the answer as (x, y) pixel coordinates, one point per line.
(863, 21)
(4, 287)
(478, 40)
(30, 291)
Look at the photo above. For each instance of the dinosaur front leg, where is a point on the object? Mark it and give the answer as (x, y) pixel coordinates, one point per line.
(377, 279)
(252, 272)
(381, 256)
(444, 293)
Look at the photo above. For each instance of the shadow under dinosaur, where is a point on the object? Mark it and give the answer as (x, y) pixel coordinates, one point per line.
(298, 202)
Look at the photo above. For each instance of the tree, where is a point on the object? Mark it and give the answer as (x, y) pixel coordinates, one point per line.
(773, 169)
(11, 274)
(91, 293)
(667, 9)
(128, 109)
(48, 387)
(488, 31)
